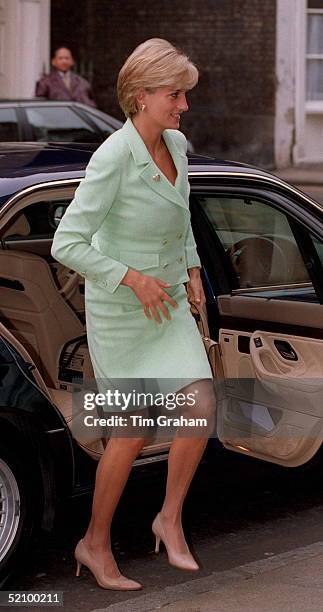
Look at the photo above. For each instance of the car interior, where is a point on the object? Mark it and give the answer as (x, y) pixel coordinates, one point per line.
(42, 308)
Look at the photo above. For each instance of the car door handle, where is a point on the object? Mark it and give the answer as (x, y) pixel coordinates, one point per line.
(274, 358)
(286, 350)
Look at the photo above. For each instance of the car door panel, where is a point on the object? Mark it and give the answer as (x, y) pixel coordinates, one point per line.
(270, 326)
(273, 406)
(41, 246)
(304, 317)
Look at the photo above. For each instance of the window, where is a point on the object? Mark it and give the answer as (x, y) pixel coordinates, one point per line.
(257, 239)
(102, 125)
(314, 51)
(59, 124)
(319, 248)
(36, 221)
(8, 125)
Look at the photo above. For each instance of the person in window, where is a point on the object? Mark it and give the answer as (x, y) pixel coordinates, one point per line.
(62, 83)
(128, 232)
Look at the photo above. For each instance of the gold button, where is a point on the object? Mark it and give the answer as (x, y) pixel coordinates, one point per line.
(179, 236)
(165, 241)
(180, 259)
(165, 265)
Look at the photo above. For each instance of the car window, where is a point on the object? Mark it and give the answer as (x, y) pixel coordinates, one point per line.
(103, 126)
(319, 248)
(8, 125)
(59, 124)
(257, 239)
(34, 222)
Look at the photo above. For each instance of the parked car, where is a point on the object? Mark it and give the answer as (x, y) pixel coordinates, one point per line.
(49, 120)
(44, 120)
(261, 245)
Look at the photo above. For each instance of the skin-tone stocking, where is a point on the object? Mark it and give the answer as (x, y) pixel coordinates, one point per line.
(113, 472)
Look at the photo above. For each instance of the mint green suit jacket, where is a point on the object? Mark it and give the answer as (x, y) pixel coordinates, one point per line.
(122, 217)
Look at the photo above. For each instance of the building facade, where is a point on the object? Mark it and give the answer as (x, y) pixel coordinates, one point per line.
(299, 91)
(232, 109)
(260, 93)
(24, 45)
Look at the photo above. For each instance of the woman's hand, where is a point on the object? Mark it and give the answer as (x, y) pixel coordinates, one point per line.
(195, 291)
(150, 293)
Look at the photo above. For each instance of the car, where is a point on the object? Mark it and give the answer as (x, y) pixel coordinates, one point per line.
(260, 241)
(45, 120)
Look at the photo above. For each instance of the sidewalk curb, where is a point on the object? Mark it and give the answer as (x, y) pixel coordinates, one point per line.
(300, 176)
(208, 584)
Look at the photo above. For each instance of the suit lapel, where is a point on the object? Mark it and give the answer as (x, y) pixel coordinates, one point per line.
(142, 158)
(181, 163)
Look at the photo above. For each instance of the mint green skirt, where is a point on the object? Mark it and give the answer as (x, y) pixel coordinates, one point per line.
(124, 344)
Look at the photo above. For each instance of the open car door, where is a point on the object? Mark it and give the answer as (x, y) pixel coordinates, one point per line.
(263, 256)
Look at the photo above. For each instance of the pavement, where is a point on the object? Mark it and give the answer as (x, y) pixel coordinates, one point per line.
(306, 174)
(288, 582)
(307, 178)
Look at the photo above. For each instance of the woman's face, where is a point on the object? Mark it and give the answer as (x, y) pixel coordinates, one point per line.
(164, 106)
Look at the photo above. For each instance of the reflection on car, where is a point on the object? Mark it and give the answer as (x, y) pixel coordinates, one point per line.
(260, 241)
(46, 120)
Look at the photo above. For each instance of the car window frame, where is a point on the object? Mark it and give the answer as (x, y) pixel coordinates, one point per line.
(300, 218)
(27, 132)
(16, 110)
(30, 132)
(51, 190)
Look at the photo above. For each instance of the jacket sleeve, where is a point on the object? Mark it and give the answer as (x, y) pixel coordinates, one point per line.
(41, 89)
(192, 258)
(83, 217)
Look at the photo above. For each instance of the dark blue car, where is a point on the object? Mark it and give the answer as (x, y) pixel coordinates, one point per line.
(261, 245)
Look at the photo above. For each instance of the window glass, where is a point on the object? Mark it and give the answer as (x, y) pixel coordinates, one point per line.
(319, 248)
(314, 80)
(315, 33)
(314, 55)
(8, 125)
(34, 221)
(257, 239)
(315, 4)
(59, 124)
(102, 125)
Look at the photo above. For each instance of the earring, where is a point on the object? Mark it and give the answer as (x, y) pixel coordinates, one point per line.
(142, 107)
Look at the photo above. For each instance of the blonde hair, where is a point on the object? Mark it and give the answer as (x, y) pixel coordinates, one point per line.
(154, 63)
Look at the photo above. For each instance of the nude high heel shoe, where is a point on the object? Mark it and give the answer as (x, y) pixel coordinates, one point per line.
(83, 557)
(181, 560)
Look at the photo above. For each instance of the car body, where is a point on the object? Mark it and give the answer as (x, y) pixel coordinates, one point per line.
(260, 241)
(44, 120)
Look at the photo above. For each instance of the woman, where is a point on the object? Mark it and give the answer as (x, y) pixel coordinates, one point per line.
(128, 233)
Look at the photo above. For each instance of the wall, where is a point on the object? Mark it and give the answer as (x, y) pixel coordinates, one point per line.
(232, 42)
(24, 45)
(285, 115)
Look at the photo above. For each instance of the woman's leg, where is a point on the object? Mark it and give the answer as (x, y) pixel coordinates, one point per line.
(111, 476)
(184, 456)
